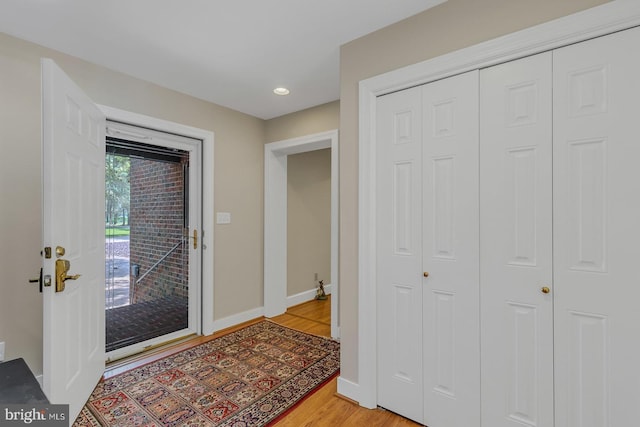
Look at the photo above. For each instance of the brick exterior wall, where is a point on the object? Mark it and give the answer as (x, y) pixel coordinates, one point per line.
(157, 224)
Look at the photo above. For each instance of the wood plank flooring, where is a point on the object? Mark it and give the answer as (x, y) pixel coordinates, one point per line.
(324, 407)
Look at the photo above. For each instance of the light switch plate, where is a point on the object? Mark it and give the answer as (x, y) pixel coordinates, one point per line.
(223, 218)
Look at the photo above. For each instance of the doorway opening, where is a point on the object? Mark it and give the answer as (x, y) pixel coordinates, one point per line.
(276, 300)
(151, 244)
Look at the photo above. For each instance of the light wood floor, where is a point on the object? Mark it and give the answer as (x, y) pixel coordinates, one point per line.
(324, 407)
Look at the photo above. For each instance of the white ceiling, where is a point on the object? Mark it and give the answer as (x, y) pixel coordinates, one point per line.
(230, 52)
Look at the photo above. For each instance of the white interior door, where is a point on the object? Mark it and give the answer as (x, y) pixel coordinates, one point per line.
(597, 230)
(399, 257)
(450, 252)
(73, 219)
(516, 243)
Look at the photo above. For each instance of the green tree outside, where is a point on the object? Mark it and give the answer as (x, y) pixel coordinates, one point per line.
(116, 189)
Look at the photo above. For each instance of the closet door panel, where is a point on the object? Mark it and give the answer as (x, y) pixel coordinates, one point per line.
(399, 228)
(597, 230)
(450, 230)
(516, 243)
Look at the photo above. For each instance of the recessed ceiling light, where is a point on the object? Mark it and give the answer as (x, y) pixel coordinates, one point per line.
(281, 91)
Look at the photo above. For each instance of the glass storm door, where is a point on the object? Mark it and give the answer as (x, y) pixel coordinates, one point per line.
(152, 218)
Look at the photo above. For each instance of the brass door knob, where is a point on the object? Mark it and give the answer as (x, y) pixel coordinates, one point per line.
(545, 290)
(425, 274)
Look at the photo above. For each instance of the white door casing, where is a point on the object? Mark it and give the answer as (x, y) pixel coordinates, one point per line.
(516, 243)
(73, 218)
(451, 301)
(205, 309)
(275, 220)
(588, 375)
(607, 18)
(596, 231)
(399, 257)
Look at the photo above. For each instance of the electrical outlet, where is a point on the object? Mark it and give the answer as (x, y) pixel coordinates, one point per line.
(2, 351)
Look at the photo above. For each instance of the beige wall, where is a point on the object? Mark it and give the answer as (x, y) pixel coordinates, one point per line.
(239, 162)
(451, 26)
(317, 119)
(308, 220)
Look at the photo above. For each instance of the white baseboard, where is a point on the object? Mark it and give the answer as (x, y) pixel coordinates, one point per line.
(306, 296)
(236, 319)
(348, 389)
(39, 378)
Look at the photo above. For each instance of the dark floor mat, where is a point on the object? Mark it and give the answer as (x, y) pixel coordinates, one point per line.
(139, 322)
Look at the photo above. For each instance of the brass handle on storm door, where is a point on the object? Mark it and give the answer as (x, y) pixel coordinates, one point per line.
(194, 237)
(62, 268)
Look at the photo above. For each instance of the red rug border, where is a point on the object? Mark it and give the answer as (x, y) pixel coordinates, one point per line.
(299, 402)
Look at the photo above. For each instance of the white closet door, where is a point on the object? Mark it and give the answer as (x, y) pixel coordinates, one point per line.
(516, 243)
(450, 246)
(399, 257)
(597, 230)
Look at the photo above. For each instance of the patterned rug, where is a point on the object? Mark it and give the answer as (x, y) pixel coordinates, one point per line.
(250, 377)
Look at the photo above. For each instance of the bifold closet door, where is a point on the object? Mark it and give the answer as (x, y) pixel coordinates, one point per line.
(516, 243)
(597, 231)
(427, 261)
(450, 248)
(399, 253)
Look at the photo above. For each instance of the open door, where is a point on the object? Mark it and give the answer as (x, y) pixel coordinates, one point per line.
(73, 237)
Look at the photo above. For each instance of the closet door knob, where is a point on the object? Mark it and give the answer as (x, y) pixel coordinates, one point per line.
(425, 274)
(545, 290)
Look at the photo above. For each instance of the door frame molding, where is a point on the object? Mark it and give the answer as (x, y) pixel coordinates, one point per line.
(205, 310)
(275, 220)
(607, 18)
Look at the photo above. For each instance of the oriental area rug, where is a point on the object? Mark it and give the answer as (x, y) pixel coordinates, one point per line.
(250, 377)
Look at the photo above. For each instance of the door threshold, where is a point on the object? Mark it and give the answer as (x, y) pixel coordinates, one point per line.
(114, 362)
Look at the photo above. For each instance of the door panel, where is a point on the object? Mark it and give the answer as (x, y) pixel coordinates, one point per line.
(73, 208)
(450, 252)
(596, 227)
(516, 243)
(399, 253)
